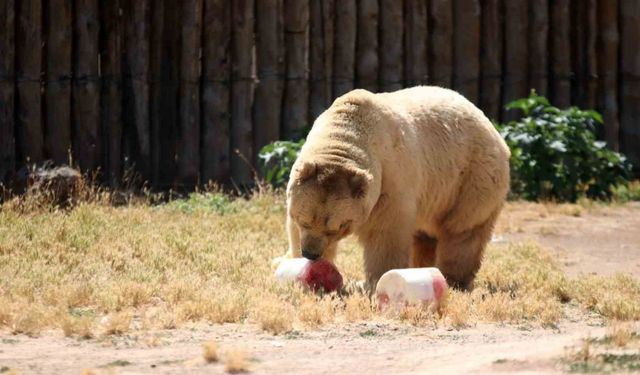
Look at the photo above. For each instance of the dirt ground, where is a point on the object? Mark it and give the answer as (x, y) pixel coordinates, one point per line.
(600, 240)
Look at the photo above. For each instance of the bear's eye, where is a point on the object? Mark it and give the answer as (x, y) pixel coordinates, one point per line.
(345, 225)
(330, 233)
(305, 226)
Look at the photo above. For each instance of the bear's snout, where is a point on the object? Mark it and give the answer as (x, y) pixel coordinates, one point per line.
(310, 255)
(312, 247)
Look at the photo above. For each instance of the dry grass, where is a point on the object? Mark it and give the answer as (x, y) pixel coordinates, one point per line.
(236, 361)
(208, 258)
(81, 327)
(210, 352)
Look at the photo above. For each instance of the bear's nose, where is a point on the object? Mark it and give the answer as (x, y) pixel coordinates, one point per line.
(310, 255)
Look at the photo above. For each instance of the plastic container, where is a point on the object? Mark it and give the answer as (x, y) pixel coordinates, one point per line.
(407, 286)
(316, 275)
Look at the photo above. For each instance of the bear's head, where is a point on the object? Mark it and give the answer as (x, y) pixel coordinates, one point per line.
(327, 203)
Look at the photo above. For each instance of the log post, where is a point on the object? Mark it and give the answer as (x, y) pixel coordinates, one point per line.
(491, 59)
(216, 73)
(538, 42)
(516, 53)
(270, 69)
(560, 53)
(440, 42)
(86, 86)
(367, 61)
(345, 46)
(391, 34)
(111, 98)
(242, 91)
(58, 80)
(29, 135)
(608, 47)
(466, 48)
(189, 140)
(416, 70)
(630, 81)
(7, 90)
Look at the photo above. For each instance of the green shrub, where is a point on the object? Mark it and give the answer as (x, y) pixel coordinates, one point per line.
(276, 160)
(555, 153)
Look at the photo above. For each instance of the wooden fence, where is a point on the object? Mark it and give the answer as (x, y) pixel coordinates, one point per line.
(173, 88)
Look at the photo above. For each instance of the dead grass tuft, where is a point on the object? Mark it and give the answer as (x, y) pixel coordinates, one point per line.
(81, 327)
(31, 321)
(613, 297)
(357, 307)
(274, 316)
(457, 309)
(314, 311)
(210, 352)
(620, 334)
(118, 323)
(236, 361)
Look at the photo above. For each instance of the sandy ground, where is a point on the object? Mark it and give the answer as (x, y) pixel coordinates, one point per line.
(600, 240)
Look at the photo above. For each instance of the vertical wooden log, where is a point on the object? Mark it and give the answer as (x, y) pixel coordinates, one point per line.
(317, 96)
(608, 43)
(367, 61)
(440, 42)
(491, 59)
(156, 90)
(7, 89)
(466, 48)
(29, 135)
(516, 52)
(345, 46)
(137, 86)
(591, 52)
(58, 80)
(111, 98)
(157, 69)
(320, 56)
(391, 34)
(86, 95)
(329, 15)
(216, 71)
(270, 68)
(171, 91)
(560, 53)
(630, 81)
(296, 28)
(415, 42)
(578, 53)
(538, 46)
(189, 142)
(242, 91)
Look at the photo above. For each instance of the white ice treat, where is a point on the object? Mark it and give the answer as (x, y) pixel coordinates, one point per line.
(400, 287)
(290, 269)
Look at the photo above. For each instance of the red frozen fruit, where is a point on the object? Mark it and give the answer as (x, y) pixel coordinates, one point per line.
(321, 275)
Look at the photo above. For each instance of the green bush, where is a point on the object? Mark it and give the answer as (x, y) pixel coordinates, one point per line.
(555, 153)
(276, 160)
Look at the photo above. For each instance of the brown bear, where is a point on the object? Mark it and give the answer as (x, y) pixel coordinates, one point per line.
(419, 175)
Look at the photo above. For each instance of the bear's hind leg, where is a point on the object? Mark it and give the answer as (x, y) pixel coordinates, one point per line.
(459, 256)
(423, 250)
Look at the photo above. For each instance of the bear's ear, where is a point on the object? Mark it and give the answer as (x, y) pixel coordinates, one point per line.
(359, 182)
(307, 171)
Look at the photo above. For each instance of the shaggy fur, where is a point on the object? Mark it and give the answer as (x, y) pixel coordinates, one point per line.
(418, 175)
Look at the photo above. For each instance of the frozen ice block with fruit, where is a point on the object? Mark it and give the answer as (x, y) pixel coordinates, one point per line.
(407, 286)
(315, 275)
